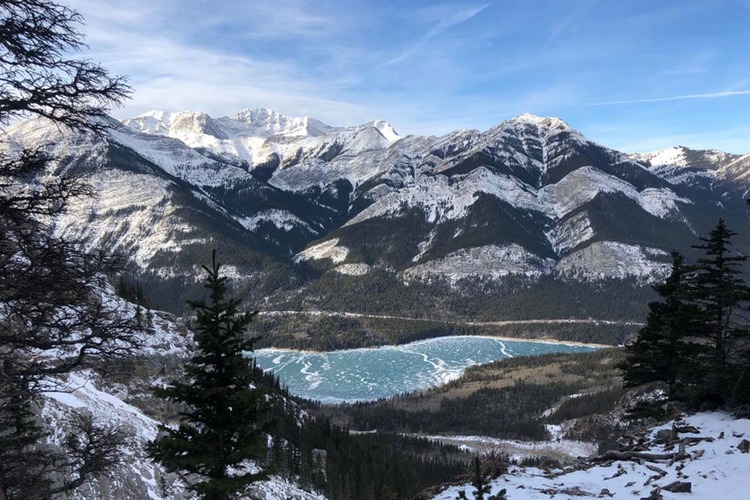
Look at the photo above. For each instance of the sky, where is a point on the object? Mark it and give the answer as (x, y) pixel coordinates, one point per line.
(635, 75)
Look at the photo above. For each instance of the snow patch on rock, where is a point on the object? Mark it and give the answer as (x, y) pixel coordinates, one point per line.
(570, 233)
(329, 249)
(282, 219)
(352, 269)
(611, 259)
(584, 184)
(490, 261)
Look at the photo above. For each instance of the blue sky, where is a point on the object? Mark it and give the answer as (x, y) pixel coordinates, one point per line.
(633, 75)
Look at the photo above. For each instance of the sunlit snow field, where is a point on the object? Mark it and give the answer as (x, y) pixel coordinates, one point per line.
(372, 373)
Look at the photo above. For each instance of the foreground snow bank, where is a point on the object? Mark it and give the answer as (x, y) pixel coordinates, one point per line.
(715, 467)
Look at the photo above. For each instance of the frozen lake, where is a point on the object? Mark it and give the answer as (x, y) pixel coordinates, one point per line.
(372, 373)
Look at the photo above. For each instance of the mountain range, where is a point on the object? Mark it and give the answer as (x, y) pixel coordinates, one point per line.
(528, 219)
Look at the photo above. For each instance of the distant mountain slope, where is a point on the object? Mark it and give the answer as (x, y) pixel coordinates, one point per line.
(310, 215)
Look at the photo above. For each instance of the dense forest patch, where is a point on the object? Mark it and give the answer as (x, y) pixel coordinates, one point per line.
(507, 399)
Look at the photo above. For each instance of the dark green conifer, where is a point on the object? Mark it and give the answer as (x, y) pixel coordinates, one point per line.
(23, 463)
(481, 483)
(221, 441)
(719, 289)
(663, 348)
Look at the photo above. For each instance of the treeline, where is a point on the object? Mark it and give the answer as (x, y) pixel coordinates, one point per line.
(327, 333)
(383, 291)
(697, 336)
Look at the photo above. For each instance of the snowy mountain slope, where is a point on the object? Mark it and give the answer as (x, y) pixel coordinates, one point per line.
(135, 172)
(681, 165)
(531, 197)
(260, 136)
(680, 156)
(528, 171)
(715, 467)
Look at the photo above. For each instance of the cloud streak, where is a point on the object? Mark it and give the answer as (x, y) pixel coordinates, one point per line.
(445, 24)
(685, 97)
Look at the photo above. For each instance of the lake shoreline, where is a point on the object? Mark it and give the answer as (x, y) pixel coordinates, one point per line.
(545, 340)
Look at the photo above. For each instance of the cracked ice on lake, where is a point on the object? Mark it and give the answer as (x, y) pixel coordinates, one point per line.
(373, 373)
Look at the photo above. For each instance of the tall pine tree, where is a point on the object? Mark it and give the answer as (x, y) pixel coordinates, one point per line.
(221, 440)
(719, 289)
(663, 349)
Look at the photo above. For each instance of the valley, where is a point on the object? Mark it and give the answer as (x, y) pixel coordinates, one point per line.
(391, 273)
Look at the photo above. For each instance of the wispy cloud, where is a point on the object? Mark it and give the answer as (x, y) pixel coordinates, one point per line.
(446, 23)
(280, 19)
(685, 97)
(171, 66)
(432, 68)
(629, 137)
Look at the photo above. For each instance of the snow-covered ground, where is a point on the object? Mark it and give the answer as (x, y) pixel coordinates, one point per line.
(138, 477)
(561, 449)
(714, 467)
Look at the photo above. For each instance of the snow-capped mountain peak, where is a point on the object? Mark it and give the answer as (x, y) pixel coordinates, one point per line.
(542, 126)
(266, 123)
(539, 121)
(683, 157)
(176, 125)
(386, 129)
(670, 156)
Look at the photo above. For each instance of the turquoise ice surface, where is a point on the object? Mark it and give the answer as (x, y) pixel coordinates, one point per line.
(372, 373)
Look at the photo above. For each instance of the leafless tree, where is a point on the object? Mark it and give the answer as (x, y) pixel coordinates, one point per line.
(53, 314)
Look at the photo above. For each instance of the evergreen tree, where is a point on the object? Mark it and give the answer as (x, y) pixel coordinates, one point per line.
(719, 290)
(24, 465)
(222, 435)
(662, 349)
(481, 483)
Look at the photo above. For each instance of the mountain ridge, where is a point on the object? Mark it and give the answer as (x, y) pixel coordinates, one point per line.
(304, 218)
